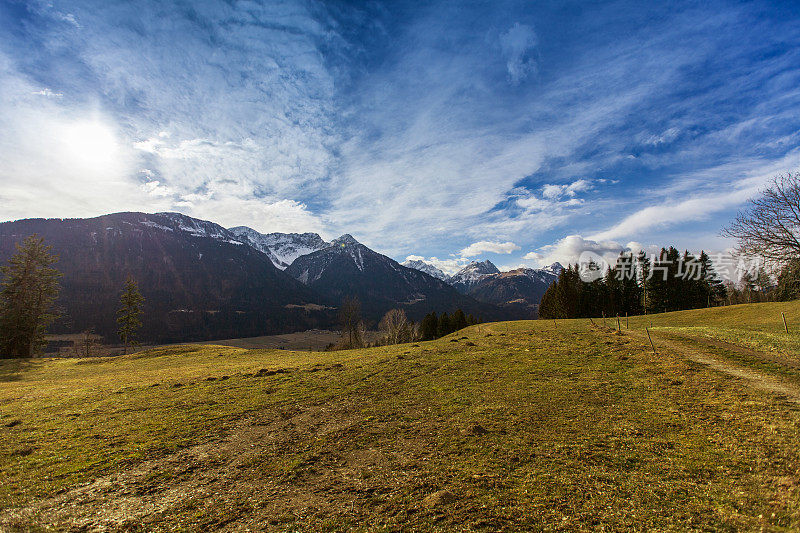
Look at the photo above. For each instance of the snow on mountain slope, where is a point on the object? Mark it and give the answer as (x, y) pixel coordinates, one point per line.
(281, 248)
(422, 266)
(192, 226)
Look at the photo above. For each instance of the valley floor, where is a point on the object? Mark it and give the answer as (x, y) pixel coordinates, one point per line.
(530, 425)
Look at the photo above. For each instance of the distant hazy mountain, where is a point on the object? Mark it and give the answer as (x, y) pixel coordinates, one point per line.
(199, 280)
(281, 248)
(468, 276)
(422, 266)
(348, 268)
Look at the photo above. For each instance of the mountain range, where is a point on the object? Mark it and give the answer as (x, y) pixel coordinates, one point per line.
(518, 291)
(199, 280)
(202, 281)
(470, 275)
(347, 268)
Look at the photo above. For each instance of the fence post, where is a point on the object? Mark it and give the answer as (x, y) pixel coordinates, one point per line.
(618, 326)
(651, 340)
(785, 326)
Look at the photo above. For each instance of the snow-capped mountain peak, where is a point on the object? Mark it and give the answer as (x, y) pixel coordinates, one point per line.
(471, 274)
(555, 268)
(428, 268)
(281, 248)
(344, 240)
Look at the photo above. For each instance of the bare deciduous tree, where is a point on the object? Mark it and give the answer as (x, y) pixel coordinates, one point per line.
(350, 320)
(396, 326)
(770, 227)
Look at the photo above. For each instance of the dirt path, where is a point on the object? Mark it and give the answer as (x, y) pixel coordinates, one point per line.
(754, 379)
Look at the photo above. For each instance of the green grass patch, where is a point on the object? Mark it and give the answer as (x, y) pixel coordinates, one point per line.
(537, 426)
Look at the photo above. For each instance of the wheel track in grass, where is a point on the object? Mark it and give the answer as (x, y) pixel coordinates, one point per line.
(753, 378)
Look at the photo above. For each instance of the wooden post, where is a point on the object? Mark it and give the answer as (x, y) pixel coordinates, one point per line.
(618, 326)
(785, 326)
(651, 340)
(627, 326)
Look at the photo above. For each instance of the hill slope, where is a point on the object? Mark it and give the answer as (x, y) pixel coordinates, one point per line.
(503, 429)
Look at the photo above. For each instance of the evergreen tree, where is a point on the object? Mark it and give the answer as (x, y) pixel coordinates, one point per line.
(27, 294)
(788, 287)
(444, 327)
(459, 320)
(748, 287)
(128, 316)
(643, 266)
(764, 285)
(714, 287)
(429, 327)
(692, 289)
(547, 303)
(630, 289)
(568, 292)
(612, 301)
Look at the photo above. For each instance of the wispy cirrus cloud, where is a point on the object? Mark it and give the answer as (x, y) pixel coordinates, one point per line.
(418, 129)
(518, 44)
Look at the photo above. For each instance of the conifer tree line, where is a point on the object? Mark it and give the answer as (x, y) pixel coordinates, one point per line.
(433, 327)
(635, 285)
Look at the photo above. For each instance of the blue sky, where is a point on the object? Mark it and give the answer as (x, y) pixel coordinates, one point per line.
(520, 132)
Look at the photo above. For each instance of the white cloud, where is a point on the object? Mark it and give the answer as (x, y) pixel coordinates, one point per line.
(569, 189)
(253, 127)
(555, 198)
(155, 189)
(552, 191)
(481, 247)
(567, 250)
(286, 216)
(666, 137)
(48, 93)
(518, 44)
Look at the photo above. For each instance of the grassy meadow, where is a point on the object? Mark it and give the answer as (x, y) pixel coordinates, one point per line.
(530, 425)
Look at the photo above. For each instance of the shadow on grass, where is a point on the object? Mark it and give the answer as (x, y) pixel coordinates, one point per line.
(12, 369)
